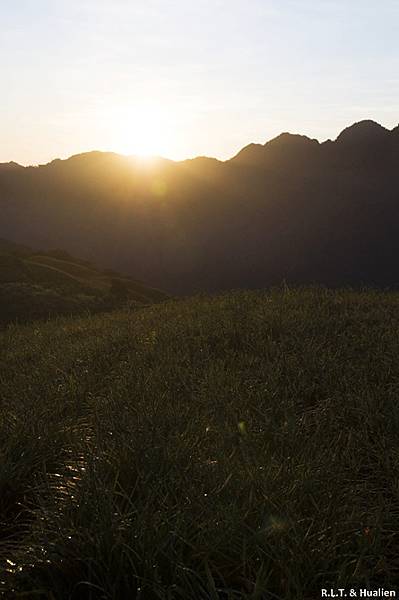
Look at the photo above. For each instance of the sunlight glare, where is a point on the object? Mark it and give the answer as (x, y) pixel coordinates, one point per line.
(142, 132)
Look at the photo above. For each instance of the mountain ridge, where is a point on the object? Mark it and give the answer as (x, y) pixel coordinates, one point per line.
(291, 209)
(365, 127)
(363, 131)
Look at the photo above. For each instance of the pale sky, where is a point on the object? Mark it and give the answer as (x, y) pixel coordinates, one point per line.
(181, 78)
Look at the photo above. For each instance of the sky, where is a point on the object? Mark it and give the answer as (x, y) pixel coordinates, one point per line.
(181, 78)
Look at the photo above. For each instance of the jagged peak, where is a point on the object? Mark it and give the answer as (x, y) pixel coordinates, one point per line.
(363, 131)
(249, 150)
(278, 147)
(10, 166)
(292, 139)
(199, 160)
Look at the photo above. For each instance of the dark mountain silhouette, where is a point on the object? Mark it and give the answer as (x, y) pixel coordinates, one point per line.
(292, 209)
(10, 166)
(365, 132)
(279, 152)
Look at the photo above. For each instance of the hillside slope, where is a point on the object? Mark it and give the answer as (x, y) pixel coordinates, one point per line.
(36, 285)
(207, 448)
(292, 209)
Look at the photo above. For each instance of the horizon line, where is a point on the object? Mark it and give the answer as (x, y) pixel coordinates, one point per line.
(152, 157)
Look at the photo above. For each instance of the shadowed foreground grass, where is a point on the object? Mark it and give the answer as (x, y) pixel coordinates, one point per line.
(243, 446)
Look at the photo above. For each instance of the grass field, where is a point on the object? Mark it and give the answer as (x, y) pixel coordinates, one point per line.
(41, 286)
(241, 446)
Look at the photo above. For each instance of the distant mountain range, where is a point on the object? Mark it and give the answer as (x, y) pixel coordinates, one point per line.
(292, 209)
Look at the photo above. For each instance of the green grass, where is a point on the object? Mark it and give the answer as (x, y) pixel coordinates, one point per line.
(242, 446)
(40, 286)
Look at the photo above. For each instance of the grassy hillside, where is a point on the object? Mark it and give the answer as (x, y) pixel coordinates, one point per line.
(41, 285)
(205, 448)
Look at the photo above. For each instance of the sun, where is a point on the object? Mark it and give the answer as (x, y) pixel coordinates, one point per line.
(142, 132)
